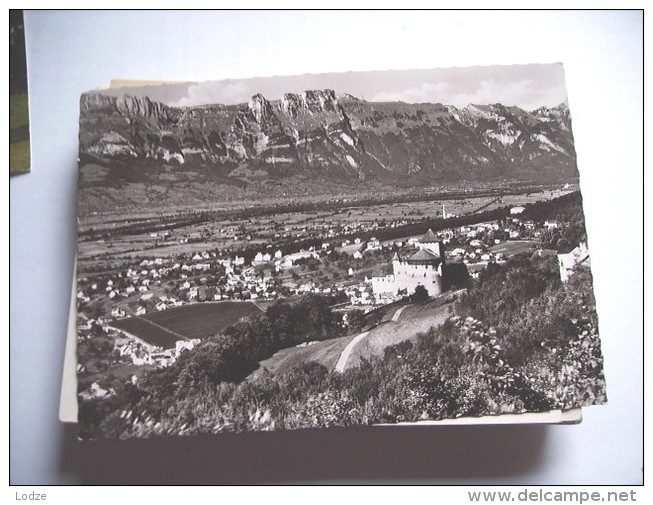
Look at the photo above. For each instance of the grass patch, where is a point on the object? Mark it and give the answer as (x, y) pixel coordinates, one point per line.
(190, 321)
(147, 332)
(512, 247)
(326, 353)
(414, 320)
(203, 319)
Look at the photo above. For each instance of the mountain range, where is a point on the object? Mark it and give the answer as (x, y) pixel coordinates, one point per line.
(328, 136)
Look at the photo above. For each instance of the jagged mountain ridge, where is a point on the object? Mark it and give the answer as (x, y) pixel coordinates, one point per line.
(328, 135)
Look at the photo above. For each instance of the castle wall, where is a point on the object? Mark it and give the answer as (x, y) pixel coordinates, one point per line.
(407, 277)
(384, 285)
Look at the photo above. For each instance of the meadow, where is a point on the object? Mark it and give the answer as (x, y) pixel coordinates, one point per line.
(164, 328)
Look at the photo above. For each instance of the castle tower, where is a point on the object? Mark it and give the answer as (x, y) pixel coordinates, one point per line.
(396, 263)
(440, 251)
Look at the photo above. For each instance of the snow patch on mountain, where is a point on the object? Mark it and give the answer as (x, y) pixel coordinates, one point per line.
(278, 159)
(546, 142)
(347, 139)
(168, 156)
(507, 139)
(261, 142)
(321, 129)
(483, 111)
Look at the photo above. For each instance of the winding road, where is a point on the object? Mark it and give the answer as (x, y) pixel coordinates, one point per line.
(344, 356)
(395, 316)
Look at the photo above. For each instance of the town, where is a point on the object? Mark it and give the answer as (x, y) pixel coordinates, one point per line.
(364, 273)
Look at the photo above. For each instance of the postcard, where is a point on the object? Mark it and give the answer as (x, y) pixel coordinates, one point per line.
(332, 250)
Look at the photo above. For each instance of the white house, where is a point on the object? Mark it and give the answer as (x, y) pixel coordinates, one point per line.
(579, 257)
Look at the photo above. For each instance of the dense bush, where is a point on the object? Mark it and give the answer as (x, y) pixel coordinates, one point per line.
(420, 294)
(568, 211)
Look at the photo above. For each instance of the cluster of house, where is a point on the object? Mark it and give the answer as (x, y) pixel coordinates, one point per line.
(144, 276)
(134, 289)
(328, 231)
(86, 325)
(139, 352)
(569, 262)
(361, 294)
(161, 283)
(472, 244)
(205, 276)
(363, 247)
(429, 266)
(282, 261)
(320, 230)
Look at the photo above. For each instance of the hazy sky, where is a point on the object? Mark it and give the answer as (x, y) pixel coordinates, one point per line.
(526, 86)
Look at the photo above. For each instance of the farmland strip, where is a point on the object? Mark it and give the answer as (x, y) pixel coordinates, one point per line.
(162, 328)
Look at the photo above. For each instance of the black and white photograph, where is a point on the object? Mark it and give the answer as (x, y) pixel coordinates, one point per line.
(329, 250)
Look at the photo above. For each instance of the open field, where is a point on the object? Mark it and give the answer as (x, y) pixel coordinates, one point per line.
(148, 332)
(511, 247)
(190, 321)
(326, 353)
(413, 320)
(203, 319)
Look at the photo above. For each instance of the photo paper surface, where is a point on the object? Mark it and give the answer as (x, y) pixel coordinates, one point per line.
(331, 250)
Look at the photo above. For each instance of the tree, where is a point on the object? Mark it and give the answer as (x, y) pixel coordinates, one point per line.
(563, 245)
(356, 319)
(420, 294)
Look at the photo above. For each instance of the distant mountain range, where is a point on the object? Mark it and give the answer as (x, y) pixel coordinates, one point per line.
(331, 136)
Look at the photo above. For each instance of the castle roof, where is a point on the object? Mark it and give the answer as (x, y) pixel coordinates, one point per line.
(424, 256)
(429, 236)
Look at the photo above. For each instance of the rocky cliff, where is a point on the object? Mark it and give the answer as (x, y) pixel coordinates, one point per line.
(332, 136)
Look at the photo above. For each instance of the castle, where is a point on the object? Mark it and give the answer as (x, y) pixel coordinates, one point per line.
(427, 267)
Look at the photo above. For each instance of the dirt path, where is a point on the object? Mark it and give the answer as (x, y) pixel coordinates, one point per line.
(395, 316)
(342, 360)
(341, 353)
(406, 324)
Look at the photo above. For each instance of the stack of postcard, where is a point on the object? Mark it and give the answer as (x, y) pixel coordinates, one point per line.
(19, 138)
(330, 250)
